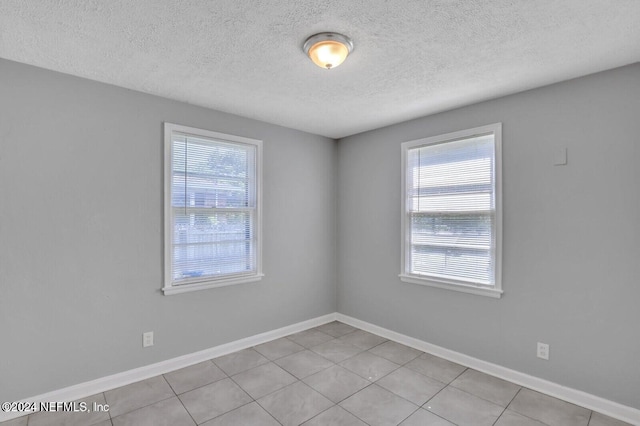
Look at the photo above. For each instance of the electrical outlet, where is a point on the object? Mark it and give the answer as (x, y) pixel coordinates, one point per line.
(543, 351)
(147, 339)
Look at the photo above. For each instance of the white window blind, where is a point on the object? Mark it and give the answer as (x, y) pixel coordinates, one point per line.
(213, 212)
(451, 209)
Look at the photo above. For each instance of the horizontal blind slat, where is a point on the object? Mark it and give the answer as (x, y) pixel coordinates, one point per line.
(213, 194)
(451, 209)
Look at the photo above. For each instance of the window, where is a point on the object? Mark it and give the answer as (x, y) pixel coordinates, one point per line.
(451, 211)
(212, 203)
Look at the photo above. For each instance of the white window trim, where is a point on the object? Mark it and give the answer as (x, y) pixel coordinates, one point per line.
(450, 284)
(208, 282)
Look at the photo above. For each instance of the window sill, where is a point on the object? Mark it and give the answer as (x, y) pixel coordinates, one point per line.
(185, 288)
(464, 288)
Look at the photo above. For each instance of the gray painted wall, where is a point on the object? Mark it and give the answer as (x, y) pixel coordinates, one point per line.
(81, 233)
(571, 237)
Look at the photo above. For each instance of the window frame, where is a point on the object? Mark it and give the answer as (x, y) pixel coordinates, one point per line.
(494, 291)
(170, 287)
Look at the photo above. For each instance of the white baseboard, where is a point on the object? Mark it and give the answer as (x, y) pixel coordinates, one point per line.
(103, 384)
(583, 399)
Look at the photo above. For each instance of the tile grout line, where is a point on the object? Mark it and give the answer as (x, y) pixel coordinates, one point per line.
(267, 411)
(288, 372)
(226, 412)
(178, 396)
(387, 390)
(243, 390)
(346, 409)
(499, 415)
(514, 396)
(144, 406)
(478, 396)
(200, 387)
(418, 407)
(350, 395)
(507, 406)
(308, 420)
(349, 357)
(438, 393)
(412, 413)
(109, 412)
(524, 415)
(237, 384)
(185, 409)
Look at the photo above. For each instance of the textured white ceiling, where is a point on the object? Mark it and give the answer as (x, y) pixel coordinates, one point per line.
(411, 58)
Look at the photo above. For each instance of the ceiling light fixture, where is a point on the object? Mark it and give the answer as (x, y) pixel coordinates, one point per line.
(328, 50)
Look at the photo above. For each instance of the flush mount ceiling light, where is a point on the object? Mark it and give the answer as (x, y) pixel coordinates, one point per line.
(328, 50)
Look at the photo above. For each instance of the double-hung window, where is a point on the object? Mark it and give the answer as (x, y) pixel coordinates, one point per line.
(451, 211)
(212, 209)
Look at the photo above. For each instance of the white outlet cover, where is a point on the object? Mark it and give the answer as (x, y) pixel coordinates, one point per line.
(147, 339)
(543, 351)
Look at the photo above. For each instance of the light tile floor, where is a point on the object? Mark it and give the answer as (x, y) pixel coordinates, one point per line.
(331, 375)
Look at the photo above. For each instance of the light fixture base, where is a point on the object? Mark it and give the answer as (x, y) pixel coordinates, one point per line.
(328, 50)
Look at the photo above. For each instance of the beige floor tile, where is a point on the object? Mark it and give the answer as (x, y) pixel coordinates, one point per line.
(411, 385)
(369, 366)
(362, 339)
(137, 395)
(486, 387)
(194, 376)
(247, 415)
(435, 367)
(303, 364)
(511, 418)
(336, 350)
(169, 412)
(378, 407)
(425, 418)
(336, 329)
(310, 338)
(294, 404)
(278, 348)
(240, 361)
(335, 416)
(263, 380)
(20, 421)
(213, 400)
(395, 352)
(549, 410)
(463, 408)
(336, 383)
(598, 419)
